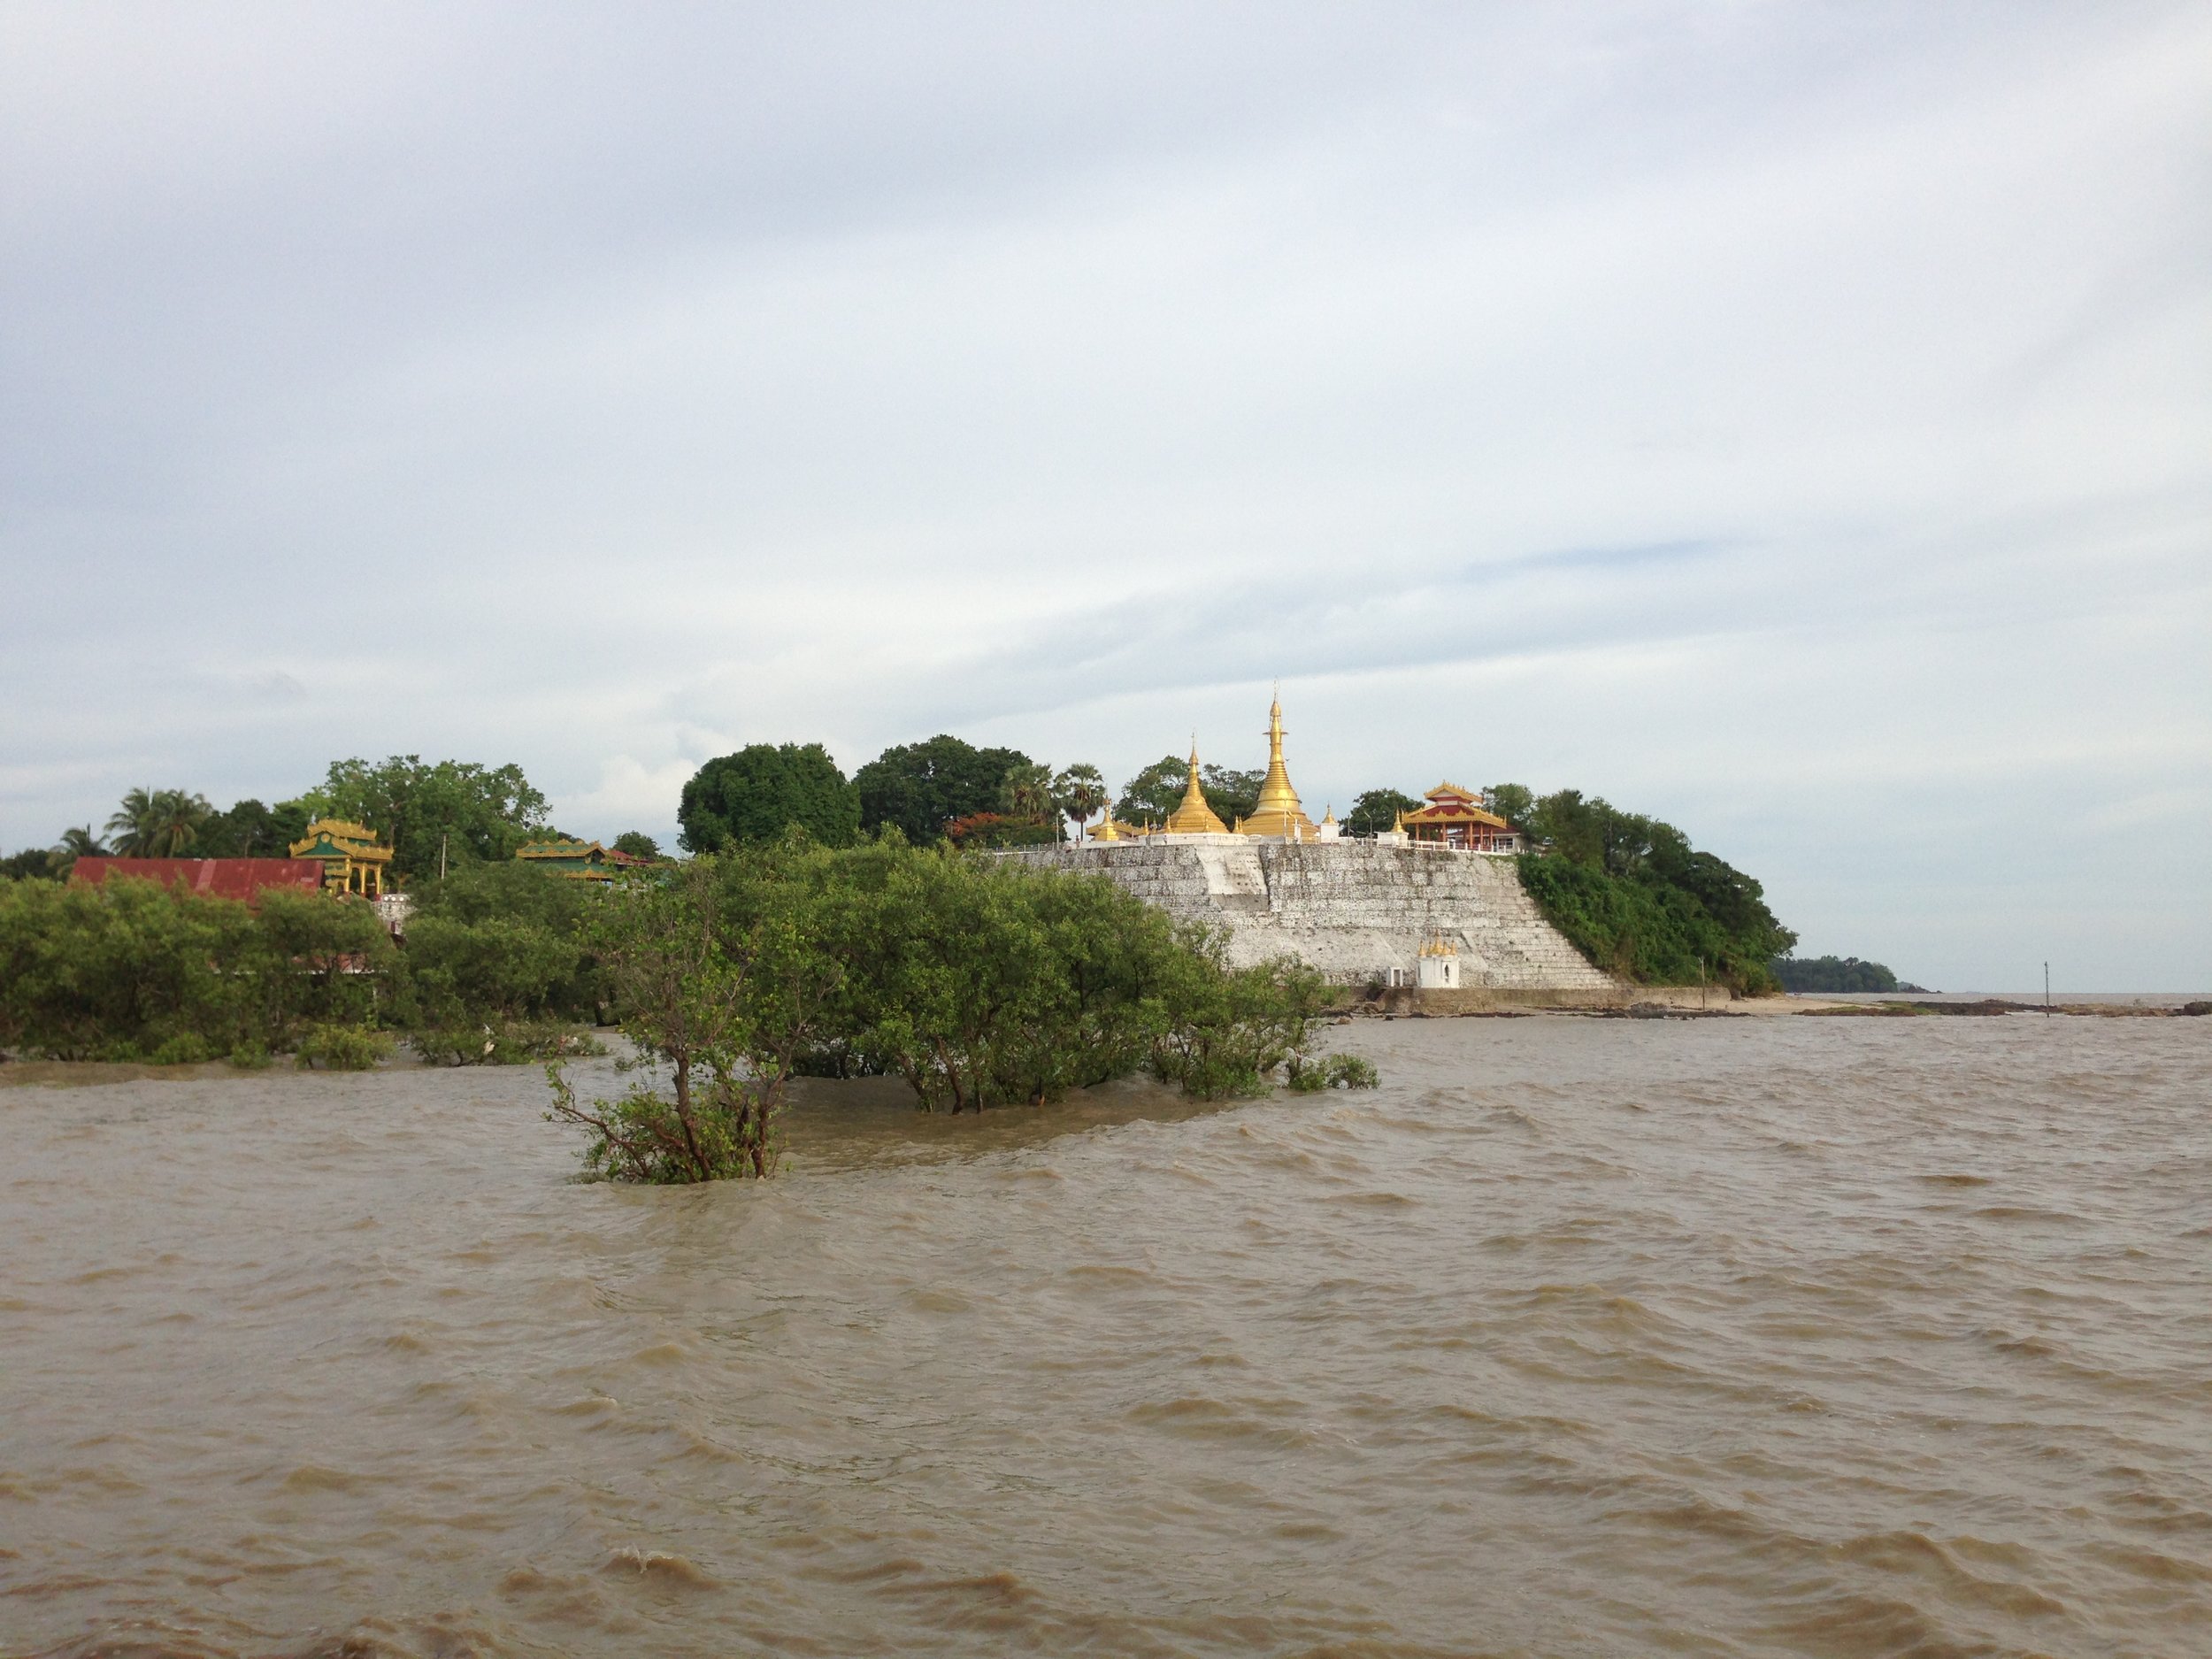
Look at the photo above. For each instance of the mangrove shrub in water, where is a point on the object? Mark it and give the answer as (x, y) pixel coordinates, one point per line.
(134, 970)
(978, 982)
(721, 987)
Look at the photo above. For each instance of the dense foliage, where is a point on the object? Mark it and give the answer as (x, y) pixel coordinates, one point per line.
(919, 788)
(761, 791)
(493, 969)
(35, 863)
(721, 990)
(1834, 974)
(131, 971)
(1637, 899)
(1001, 830)
(978, 982)
(456, 812)
(251, 830)
(1157, 790)
(1377, 811)
(497, 969)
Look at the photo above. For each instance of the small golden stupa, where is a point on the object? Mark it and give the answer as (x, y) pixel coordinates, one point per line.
(1278, 812)
(1193, 817)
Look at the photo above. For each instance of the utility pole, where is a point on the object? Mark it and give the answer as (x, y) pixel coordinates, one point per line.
(441, 834)
(2046, 990)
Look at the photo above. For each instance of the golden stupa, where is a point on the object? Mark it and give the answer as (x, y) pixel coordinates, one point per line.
(1278, 812)
(1193, 817)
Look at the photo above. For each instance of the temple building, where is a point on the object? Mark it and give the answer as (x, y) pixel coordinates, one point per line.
(1454, 816)
(351, 860)
(1193, 816)
(579, 861)
(1436, 965)
(1278, 813)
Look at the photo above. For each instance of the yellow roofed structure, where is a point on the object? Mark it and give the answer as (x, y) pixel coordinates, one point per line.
(1278, 812)
(1193, 817)
(351, 859)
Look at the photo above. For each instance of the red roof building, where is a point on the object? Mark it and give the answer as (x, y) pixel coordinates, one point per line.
(1455, 817)
(225, 878)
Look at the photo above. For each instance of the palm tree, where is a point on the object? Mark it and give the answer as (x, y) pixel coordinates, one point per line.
(137, 808)
(1027, 793)
(158, 822)
(80, 843)
(1079, 791)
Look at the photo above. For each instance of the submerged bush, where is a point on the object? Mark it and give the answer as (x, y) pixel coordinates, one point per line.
(1336, 1071)
(499, 946)
(512, 1042)
(130, 969)
(978, 982)
(721, 988)
(343, 1047)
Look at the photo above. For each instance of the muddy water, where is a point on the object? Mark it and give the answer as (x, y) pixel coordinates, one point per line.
(1787, 1336)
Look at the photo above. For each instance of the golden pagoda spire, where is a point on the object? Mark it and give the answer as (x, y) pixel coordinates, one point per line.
(1194, 816)
(1278, 812)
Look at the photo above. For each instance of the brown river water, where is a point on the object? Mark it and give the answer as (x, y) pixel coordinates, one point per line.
(1735, 1336)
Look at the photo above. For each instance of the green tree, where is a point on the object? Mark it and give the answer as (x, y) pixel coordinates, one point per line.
(1025, 792)
(1638, 899)
(1158, 790)
(920, 787)
(457, 811)
(721, 990)
(1233, 794)
(755, 795)
(158, 823)
(1079, 791)
(984, 983)
(1377, 811)
(637, 844)
(80, 842)
(1512, 803)
(135, 971)
(1834, 973)
(251, 830)
(317, 963)
(38, 863)
(501, 947)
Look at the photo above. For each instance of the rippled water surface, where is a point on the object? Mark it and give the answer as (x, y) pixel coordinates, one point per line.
(1757, 1336)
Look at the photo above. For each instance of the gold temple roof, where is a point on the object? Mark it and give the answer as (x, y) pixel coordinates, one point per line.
(341, 838)
(1193, 817)
(1448, 803)
(1278, 812)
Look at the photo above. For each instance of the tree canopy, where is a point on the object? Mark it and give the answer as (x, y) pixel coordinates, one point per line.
(1079, 791)
(158, 823)
(1376, 810)
(1638, 899)
(1158, 790)
(479, 813)
(920, 787)
(251, 830)
(757, 794)
(1835, 974)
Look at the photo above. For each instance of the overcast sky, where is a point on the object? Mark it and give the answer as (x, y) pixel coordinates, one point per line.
(1795, 421)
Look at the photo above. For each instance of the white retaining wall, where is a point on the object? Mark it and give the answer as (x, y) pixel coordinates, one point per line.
(1352, 909)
